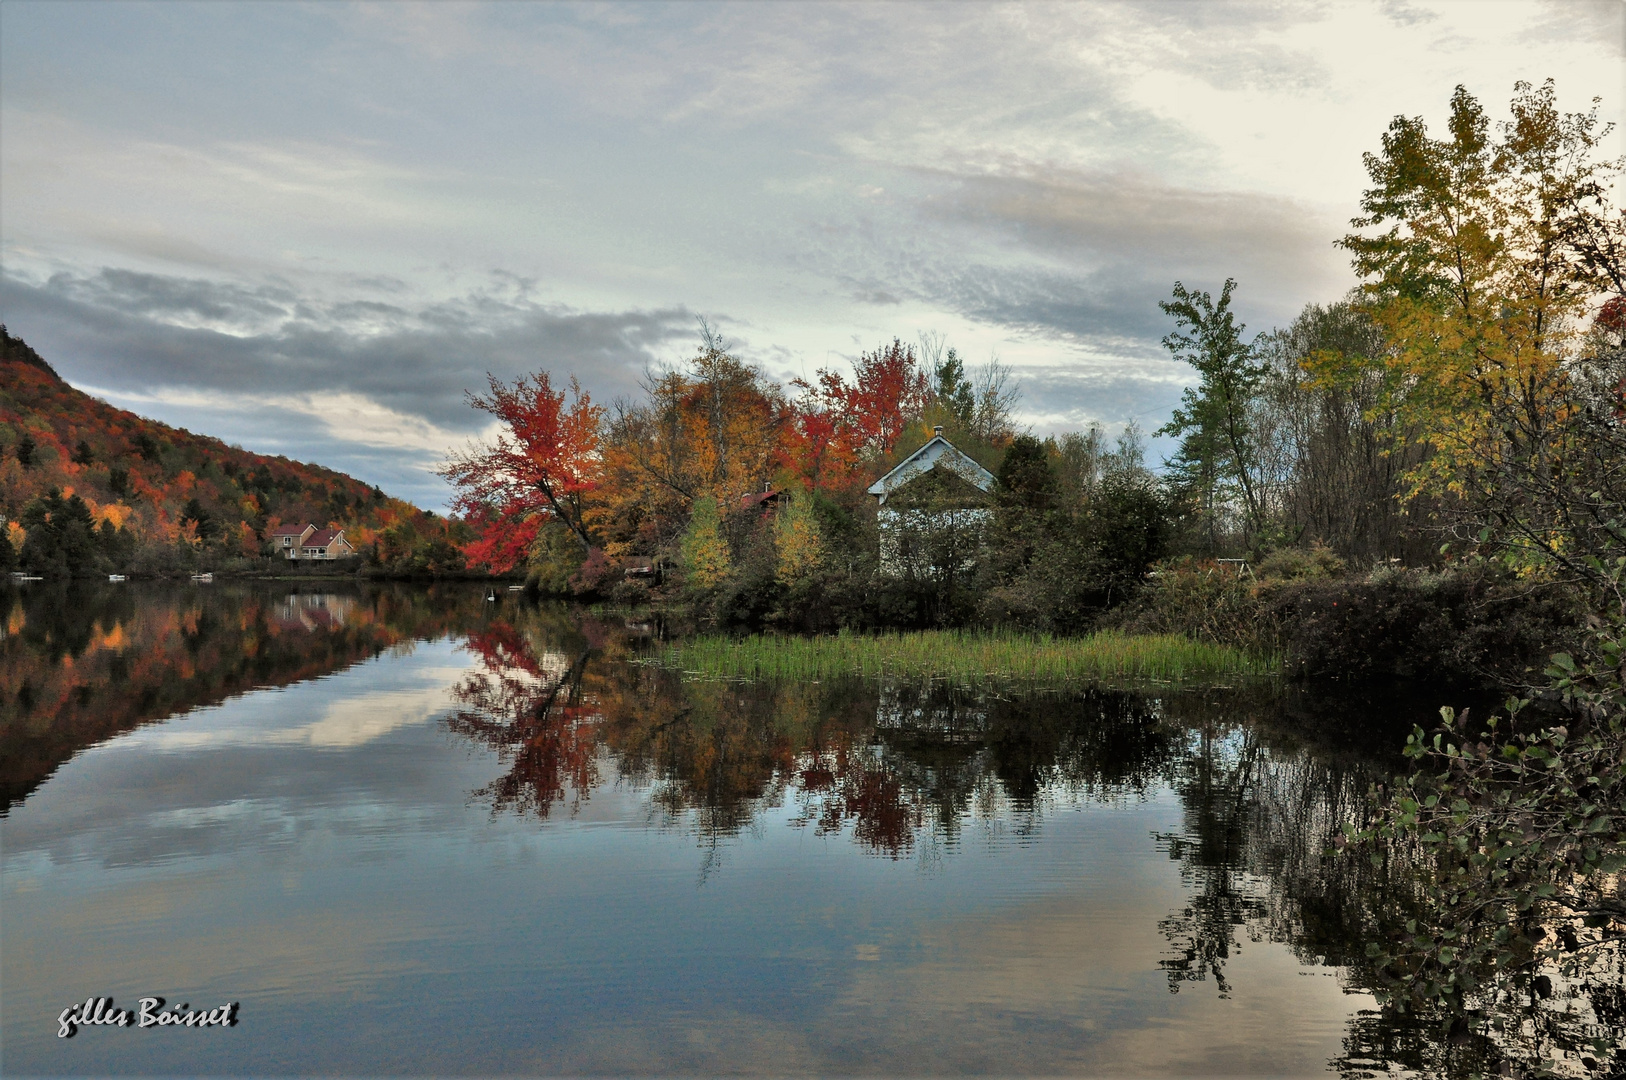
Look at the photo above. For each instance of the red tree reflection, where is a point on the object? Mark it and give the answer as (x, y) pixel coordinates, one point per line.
(529, 708)
(848, 783)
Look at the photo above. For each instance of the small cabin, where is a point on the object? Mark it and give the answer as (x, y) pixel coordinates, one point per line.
(937, 498)
(763, 501)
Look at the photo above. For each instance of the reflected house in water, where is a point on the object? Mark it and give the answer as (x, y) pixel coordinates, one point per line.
(308, 542)
(936, 498)
(314, 611)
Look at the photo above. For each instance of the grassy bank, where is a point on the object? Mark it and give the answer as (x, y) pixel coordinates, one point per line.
(963, 656)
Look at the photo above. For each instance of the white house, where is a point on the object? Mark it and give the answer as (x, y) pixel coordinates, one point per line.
(920, 529)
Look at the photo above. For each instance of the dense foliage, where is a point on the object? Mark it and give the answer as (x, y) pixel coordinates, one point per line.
(1425, 479)
(1500, 283)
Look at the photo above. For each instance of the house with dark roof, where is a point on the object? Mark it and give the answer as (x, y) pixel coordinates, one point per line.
(932, 506)
(764, 500)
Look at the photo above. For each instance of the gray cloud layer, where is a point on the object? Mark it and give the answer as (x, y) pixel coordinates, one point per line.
(266, 367)
(263, 201)
(137, 331)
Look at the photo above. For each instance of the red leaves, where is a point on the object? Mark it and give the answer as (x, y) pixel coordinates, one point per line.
(838, 425)
(889, 391)
(721, 432)
(817, 445)
(541, 466)
(1612, 316)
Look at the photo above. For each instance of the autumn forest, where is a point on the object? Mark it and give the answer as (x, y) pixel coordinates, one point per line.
(1454, 415)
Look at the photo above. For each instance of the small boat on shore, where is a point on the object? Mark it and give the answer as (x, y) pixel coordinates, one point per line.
(115, 577)
(203, 577)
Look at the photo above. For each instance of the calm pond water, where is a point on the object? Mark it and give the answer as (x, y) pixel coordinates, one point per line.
(412, 832)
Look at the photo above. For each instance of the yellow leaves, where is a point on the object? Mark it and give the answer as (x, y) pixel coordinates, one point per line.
(705, 549)
(115, 513)
(712, 432)
(16, 534)
(797, 541)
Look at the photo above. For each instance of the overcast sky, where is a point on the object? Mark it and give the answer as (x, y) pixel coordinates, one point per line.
(308, 228)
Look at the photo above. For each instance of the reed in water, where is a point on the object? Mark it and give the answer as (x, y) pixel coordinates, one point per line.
(963, 656)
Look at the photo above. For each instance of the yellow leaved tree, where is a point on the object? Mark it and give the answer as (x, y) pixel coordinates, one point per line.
(1473, 250)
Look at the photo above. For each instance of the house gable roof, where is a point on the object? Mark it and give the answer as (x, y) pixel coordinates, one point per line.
(757, 499)
(291, 530)
(324, 538)
(939, 453)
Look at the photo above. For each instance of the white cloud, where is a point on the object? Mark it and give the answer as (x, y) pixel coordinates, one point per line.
(346, 721)
(343, 416)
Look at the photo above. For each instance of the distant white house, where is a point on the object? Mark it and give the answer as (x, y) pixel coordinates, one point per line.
(917, 529)
(309, 542)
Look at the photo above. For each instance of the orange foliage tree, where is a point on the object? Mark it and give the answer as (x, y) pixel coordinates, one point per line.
(714, 429)
(542, 467)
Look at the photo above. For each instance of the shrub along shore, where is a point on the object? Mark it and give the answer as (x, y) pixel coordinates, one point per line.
(964, 657)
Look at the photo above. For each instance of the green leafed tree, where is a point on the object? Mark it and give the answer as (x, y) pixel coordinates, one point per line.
(1216, 461)
(797, 540)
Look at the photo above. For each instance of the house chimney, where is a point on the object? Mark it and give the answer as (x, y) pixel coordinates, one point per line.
(937, 430)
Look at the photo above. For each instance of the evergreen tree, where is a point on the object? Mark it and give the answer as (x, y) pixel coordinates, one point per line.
(61, 539)
(1217, 454)
(954, 390)
(194, 514)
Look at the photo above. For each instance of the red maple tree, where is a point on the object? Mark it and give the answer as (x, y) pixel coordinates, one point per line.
(816, 444)
(889, 390)
(542, 466)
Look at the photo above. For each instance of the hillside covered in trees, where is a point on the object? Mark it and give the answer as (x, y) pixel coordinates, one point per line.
(87, 488)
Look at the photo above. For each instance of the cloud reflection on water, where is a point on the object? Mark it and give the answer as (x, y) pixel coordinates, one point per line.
(593, 866)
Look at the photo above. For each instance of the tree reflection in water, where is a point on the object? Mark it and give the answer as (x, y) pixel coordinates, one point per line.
(527, 705)
(566, 705)
(1264, 782)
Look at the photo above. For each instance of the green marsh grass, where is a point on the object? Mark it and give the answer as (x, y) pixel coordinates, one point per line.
(963, 656)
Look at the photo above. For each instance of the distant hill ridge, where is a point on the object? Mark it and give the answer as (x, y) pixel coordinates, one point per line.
(174, 497)
(17, 349)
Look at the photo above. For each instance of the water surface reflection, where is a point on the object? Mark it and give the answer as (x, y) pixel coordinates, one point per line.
(414, 831)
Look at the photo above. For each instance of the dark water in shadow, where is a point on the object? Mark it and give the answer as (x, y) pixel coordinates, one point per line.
(412, 832)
